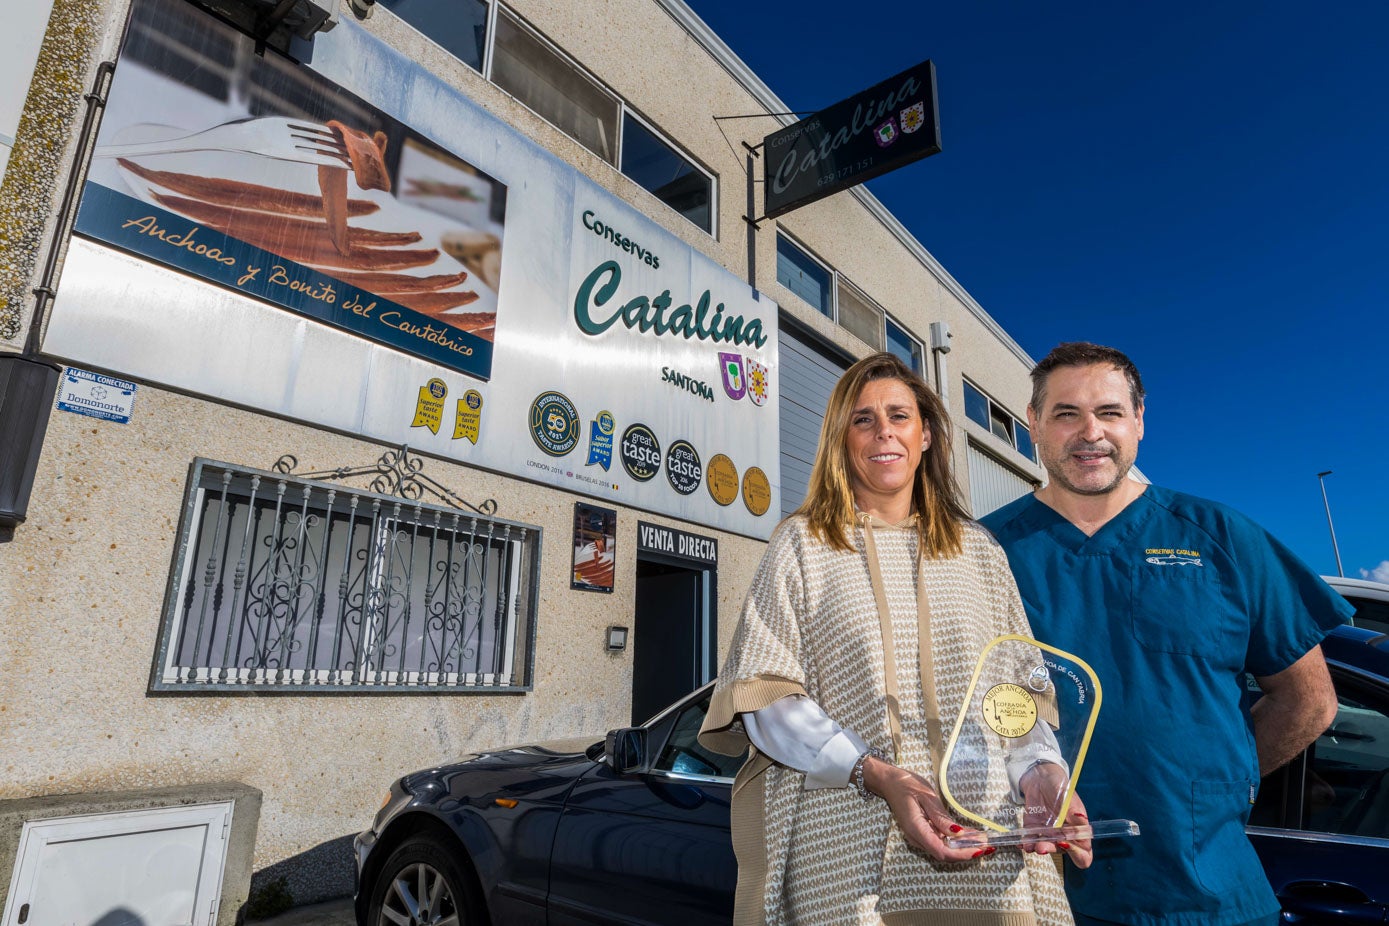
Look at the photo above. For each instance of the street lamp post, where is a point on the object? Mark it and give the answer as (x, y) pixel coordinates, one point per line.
(1321, 478)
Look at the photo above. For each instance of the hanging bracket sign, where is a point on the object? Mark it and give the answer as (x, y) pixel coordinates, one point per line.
(885, 127)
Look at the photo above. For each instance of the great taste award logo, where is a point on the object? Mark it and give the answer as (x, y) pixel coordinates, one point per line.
(554, 423)
(682, 467)
(641, 452)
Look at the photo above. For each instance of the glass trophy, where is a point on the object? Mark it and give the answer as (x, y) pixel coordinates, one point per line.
(1011, 764)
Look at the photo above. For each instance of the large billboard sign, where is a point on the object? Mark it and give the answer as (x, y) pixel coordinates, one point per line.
(358, 245)
(885, 127)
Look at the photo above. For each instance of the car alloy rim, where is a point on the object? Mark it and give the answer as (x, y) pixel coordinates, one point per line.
(419, 896)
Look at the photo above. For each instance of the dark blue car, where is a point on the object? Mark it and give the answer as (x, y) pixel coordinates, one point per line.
(634, 830)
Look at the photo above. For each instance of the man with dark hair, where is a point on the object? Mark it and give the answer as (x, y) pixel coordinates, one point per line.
(1171, 599)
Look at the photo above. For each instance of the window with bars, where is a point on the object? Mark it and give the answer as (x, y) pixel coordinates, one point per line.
(286, 583)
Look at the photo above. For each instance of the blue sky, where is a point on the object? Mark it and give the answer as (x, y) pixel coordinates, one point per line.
(1204, 186)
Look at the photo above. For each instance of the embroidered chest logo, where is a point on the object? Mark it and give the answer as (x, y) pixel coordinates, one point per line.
(1170, 556)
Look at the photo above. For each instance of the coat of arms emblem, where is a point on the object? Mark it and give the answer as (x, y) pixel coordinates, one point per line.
(913, 117)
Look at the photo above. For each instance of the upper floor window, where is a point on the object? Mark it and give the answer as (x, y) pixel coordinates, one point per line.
(858, 314)
(1006, 426)
(674, 179)
(907, 348)
(804, 275)
(460, 26)
(559, 90)
(540, 76)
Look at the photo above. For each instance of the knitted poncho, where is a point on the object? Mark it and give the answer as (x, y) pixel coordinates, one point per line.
(811, 626)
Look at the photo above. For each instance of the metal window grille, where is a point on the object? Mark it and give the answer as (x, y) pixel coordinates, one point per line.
(289, 584)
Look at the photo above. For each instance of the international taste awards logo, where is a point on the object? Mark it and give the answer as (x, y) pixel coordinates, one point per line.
(641, 452)
(682, 467)
(554, 423)
(744, 376)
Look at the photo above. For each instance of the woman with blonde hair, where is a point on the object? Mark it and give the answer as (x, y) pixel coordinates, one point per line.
(859, 634)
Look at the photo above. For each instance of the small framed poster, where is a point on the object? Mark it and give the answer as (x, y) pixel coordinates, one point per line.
(595, 536)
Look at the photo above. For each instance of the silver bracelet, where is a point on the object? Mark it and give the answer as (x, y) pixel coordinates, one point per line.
(856, 776)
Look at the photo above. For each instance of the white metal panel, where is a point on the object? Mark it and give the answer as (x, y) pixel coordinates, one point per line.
(807, 379)
(162, 865)
(991, 484)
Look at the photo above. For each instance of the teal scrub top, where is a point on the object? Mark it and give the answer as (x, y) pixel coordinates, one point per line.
(1170, 602)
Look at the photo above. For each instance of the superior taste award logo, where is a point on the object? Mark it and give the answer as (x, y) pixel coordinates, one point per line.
(600, 440)
(429, 407)
(468, 421)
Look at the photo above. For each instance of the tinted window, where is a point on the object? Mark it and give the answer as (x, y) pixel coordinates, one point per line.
(460, 26)
(1371, 613)
(684, 755)
(1347, 789)
(976, 405)
(1024, 439)
(906, 347)
(798, 272)
(665, 172)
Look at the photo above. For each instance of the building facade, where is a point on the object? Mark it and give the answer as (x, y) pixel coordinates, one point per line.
(421, 386)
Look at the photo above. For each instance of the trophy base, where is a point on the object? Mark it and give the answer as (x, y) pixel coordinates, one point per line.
(1097, 829)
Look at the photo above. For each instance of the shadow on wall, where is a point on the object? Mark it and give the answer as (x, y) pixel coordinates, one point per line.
(324, 872)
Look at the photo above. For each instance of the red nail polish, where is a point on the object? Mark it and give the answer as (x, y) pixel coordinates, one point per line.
(956, 828)
(991, 850)
(1065, 845)
(982, 852)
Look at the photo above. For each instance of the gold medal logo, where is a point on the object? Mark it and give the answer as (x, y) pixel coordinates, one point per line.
(1009, 710)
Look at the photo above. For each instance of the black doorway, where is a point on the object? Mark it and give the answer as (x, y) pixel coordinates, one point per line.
(673, 637)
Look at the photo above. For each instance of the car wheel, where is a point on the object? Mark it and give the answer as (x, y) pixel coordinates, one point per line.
(422, 885)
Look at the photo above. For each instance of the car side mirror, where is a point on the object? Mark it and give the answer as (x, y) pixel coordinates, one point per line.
(625, 749)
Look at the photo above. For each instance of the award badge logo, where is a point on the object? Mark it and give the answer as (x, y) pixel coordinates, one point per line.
(468, 418)
(886, 133)
(913, 117)
(731, 369)
(682, 467)
(757, 491)
(429, 407)
(721, 478)
(758, 385)
(554, 423)
(600, 440)
(641, 452)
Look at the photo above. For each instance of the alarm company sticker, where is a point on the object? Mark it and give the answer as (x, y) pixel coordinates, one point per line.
(757, 491)
(429, 407)
(641, 452)
(1009, 710)
(468, 419)
(682, 467)
(600, 440)
(721, 477)
(554, 423)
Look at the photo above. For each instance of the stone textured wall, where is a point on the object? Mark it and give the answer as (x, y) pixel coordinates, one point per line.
(37, 170)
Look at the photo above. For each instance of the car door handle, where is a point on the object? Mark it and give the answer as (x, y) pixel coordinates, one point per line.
(1321, 901)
